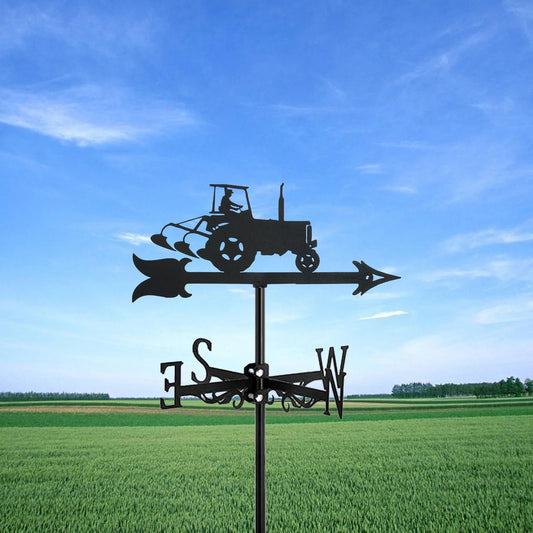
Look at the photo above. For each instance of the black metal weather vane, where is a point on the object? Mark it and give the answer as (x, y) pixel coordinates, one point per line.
(232, 239)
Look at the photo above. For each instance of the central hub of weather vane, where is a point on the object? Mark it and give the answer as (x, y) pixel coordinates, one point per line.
(232, 237)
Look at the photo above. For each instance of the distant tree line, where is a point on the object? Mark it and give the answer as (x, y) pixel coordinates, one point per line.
(41, 396)
(369, 396)
(506, 387)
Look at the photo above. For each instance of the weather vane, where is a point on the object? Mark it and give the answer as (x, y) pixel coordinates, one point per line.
(232, 239)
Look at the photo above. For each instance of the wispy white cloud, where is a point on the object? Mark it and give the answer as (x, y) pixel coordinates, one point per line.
(382, 295)
(446, 59)
(333, 90)
(469, 241)
(408, 145)
(133, 238)
(523, 11)
(402, 189)
(464, 171)
(491, 107)
(386, 314)
(507, 312)
(370, 168)
(501, 268)
(299, 110)
(244, 293)
(91, 115)
(103, 33)
(489, 166)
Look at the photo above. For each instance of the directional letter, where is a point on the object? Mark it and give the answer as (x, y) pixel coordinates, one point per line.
(168, 385)
(333, 379)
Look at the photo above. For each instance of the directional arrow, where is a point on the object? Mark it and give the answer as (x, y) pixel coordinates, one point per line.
(168, 277)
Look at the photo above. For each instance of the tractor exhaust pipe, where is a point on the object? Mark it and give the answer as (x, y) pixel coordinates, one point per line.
(281, 204)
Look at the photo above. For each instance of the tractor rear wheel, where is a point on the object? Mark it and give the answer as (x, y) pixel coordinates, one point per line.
(307, 261)
(228, 252)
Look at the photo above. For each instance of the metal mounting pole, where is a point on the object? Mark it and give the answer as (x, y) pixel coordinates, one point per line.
(260, 415)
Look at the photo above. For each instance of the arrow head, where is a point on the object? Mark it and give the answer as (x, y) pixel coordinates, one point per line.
(368, 280)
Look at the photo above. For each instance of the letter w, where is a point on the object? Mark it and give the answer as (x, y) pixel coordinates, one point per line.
(333, 377)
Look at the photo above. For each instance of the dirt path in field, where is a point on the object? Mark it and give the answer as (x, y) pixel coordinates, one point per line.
(116, 409)
(370, 404)
(136, 409)
(104, 409)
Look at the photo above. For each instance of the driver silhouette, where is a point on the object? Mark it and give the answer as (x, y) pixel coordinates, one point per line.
(226, 205)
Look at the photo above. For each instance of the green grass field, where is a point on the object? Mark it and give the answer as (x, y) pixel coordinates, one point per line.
(450, 466)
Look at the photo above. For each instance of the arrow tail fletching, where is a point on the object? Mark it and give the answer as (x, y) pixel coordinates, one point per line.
(166, 278)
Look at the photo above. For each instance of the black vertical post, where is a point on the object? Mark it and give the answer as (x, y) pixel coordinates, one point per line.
(260, 415)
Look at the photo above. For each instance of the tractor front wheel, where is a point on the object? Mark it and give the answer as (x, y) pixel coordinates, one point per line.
(307, 261)
(228, 252)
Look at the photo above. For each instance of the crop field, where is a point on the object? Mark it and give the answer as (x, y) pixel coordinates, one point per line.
(450, 466)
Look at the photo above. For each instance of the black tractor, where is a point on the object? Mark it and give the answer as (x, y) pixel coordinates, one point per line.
(234, 236)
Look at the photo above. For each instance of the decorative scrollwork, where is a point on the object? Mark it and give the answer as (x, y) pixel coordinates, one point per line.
(239, 404)
(224, 397)
(296, 401)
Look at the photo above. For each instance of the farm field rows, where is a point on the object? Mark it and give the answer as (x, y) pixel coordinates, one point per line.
(467, 469)
(194, 412)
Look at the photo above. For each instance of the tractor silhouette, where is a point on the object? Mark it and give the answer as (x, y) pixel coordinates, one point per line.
(234, 236)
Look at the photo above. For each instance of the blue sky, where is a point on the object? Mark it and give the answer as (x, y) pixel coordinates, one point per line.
(402, 131)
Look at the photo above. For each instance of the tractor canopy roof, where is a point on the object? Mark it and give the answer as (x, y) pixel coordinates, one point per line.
(228, 185)
(217, 186)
